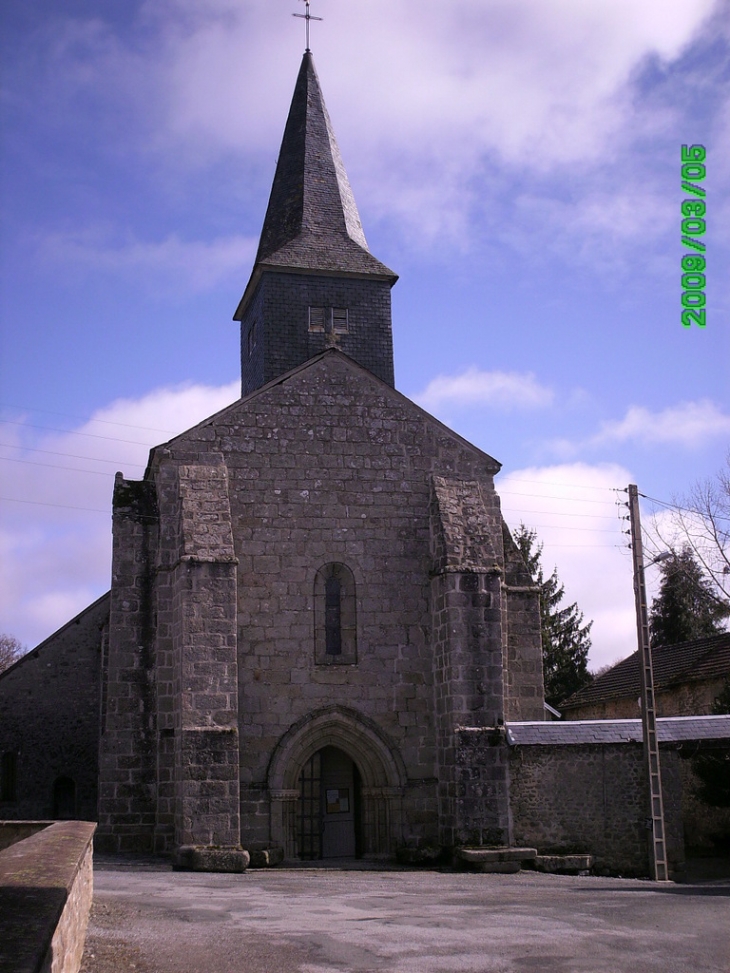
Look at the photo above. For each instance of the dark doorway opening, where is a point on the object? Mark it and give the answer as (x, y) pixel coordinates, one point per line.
(64, 799)
(329, 807)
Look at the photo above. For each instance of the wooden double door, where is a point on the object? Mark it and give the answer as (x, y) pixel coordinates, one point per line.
(328, 819)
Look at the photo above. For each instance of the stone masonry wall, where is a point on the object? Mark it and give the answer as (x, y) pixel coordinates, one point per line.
(330, 466)
(524, 689)
(46, 886)
(593, 799)
(128, 743)
(482, 787)
(49, 717)
(198, 600)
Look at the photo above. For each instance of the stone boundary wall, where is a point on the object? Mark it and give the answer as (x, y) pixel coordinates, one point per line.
(593, 799)
(46, 886)
(14, 831)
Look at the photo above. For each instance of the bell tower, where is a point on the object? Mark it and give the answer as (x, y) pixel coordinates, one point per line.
(314, 284)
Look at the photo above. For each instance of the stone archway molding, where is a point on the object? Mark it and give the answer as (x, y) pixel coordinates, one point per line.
(377, 758)
(382, 773)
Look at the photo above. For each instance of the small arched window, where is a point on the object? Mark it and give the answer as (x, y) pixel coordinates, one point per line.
(335, 623)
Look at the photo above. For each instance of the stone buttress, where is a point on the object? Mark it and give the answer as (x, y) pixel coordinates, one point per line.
(179, 731)
(487, 663)
(128, 739)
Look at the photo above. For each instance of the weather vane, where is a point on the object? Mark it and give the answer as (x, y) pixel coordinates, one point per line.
(306, 17)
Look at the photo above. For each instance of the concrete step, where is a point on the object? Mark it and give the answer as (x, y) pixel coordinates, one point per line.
(502, 861)
(492, 855)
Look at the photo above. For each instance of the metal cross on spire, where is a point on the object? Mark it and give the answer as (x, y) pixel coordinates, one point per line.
(306, 17)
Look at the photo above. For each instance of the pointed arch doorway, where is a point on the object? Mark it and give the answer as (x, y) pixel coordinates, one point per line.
(358, 760)
(328, 812)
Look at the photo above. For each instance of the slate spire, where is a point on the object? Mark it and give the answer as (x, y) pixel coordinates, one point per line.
(312, 221)
(314, 283)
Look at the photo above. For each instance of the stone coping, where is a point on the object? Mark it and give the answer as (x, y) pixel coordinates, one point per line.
(39, 882)
(12, 831)
(670, 729)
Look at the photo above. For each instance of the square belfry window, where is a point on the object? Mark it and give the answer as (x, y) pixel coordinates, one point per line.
(340, 322)
(317, 318)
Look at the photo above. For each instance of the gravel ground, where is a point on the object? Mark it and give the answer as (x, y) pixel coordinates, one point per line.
(152, 920)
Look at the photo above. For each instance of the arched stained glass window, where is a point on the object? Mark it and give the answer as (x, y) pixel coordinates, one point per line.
(333, 616)
(335, 624)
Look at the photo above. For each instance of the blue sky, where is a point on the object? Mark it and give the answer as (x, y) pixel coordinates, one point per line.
(516, 163)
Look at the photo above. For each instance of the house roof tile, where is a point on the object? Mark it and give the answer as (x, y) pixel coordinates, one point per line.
(699, 659)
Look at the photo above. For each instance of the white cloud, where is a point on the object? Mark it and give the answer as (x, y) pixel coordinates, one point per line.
(688, 424)
(505, 390)
(183, 266)
(537, 74)
(55, 545)
(428, 105)
(573, 508)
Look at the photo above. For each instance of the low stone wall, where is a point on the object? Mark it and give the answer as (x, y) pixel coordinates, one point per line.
(13, 831)
(592, 799)
(46, 885)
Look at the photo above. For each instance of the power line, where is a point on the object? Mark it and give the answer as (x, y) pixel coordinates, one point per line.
(545, 496)
(565, 513)
(573, 486)
(54, 466)
(63, 506)
(72, 432)
(680, 508)
(55, 452)
(68, 415)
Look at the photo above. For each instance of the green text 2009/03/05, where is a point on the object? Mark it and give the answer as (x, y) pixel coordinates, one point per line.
(694, 225)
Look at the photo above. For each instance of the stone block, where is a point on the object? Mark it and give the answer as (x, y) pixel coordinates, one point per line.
(563, 864)
(425, 855)
(266, 857)
(475, 856)
(200, 858)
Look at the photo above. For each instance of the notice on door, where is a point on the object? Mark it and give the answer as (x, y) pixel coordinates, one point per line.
(338, 800)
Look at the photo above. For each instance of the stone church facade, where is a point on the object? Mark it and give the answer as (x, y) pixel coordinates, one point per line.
(313, 588)
(320, 639)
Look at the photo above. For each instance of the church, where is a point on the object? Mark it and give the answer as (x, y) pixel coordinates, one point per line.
(320, 640)
(312, 588)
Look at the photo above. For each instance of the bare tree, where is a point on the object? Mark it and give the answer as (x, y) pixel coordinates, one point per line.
(10, 651)
(701, 521)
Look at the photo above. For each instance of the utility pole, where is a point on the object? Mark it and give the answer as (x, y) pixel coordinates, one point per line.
(648, 711)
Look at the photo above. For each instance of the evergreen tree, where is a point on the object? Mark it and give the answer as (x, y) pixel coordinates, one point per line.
(713, 769)
(565, 639)
(686, 607)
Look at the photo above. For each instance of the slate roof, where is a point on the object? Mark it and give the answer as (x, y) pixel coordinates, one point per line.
(312, 222)
(670, 729)
(706, 658)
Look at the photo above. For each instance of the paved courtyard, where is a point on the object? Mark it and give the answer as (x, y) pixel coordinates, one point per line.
(148, 919)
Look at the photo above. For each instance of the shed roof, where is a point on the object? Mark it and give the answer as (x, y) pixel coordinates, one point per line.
(670, 729)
